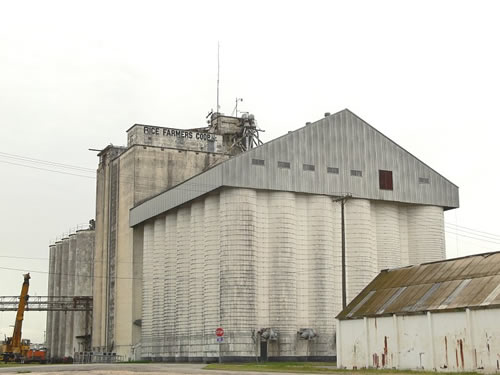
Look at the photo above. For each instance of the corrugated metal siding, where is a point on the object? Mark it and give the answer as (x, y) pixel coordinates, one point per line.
(342, 141)
(472, 281)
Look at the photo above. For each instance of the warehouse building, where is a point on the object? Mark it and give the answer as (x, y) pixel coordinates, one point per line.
(438, 316)
(70, 274)
(253, 244)
(155, 158)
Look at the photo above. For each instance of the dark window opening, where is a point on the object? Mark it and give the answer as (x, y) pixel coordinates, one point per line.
(284, 164)
(355, 172)
(308, 167)
(424, 180)
(257, 162)
(332, 170)
(385, 180)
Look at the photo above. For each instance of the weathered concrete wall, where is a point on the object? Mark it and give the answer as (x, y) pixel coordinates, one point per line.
(447, 341)
(246, 260)
(138, 173)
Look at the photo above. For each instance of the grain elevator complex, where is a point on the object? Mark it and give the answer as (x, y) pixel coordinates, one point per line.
(204, 228)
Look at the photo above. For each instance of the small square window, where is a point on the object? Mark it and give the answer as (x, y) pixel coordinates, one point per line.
(424, 180)
(284, 164)
(357, 173)
(257, 162)
(333, 170)
(385, 180)
(308, 167)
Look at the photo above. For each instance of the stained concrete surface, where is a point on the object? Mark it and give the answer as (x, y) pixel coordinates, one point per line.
(125, 369)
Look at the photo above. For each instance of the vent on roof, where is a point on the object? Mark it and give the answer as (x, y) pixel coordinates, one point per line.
(333, 170)
(257, 161)
(357, 173)
(424, 180)
(308, 167)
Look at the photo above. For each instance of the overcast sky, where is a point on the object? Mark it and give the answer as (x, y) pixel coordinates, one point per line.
(76, 74)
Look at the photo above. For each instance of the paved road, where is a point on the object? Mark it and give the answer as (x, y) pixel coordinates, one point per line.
(125, 369)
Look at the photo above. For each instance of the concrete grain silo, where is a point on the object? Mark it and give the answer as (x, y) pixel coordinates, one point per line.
(254, 244)
(70, 275)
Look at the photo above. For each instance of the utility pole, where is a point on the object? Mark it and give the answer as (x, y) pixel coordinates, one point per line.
(342, 201)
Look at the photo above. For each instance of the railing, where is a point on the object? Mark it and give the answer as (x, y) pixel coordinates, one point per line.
(94, 357)
(48, 303)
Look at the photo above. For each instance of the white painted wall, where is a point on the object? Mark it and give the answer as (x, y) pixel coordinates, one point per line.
(248, 259)
(447, 341)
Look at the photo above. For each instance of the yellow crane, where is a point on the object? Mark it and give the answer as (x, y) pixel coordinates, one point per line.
(14, 348)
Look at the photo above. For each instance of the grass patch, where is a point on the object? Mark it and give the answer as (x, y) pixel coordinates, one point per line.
(311, 367)
(15, 364)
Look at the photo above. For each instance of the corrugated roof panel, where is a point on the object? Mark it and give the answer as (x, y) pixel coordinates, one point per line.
(472, 281)
(342, 140)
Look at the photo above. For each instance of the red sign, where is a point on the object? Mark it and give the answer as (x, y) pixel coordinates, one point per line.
(219, 332)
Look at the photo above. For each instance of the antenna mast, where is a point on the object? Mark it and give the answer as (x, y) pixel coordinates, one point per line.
(218, 75)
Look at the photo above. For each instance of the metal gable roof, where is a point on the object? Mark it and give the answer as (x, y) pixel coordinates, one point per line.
(468, 282)
(342, 141)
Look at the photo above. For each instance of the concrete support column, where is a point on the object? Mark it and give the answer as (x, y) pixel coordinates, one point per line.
(158, 288)
(64, 292)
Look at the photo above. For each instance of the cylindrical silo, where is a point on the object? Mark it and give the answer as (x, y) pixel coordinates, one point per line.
(170, 284)
(283, 272)
(158, 287)
(426, 234)
(56, 326)
(196, 255)
(147, 291)
(360, 245)
(83, 286)
(211, 273)
(64, 293)
(238, 268)
(182, 285)
(322, 233)
(50, 293)
(70, 291)
(388, 235)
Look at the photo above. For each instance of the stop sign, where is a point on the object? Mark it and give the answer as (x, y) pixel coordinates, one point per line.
(219, 332)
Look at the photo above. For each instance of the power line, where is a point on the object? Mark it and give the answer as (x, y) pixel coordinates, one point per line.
(460, 227)
(45, 169)
(40, 161)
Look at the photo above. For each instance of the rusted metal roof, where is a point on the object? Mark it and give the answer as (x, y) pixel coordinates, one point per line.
(468, 282)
